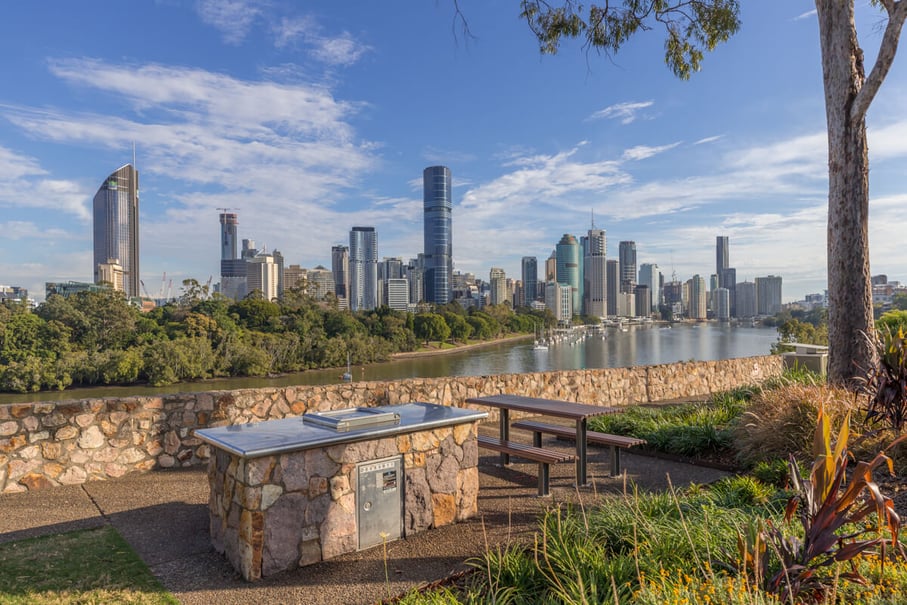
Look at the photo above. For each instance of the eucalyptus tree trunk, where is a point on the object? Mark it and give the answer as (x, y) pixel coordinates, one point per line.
(849, 285)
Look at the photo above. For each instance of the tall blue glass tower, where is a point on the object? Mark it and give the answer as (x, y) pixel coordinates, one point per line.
(116, 226)
(438, 267)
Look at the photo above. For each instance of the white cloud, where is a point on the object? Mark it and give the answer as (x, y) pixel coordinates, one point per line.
(625, 112)
(642, 152)
(234, 18)
(708, 139)
(23, 184)
(339, 50)
(805, 15)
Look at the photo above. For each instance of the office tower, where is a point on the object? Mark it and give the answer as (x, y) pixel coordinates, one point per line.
(568, 271)
(116, 226)
(595, 274)
(698, 297)
(627, 258)
(497, 281)
(278, 260)
(530, 271)
(559, 300)
(340, 268)
(613, 286)
(262, 275)
(746, 299)
(650, 276)
(363, 269)
(768, 295)
(437, 235)
(643, 301)
(112, 273)
(397, 293)
(721, 256)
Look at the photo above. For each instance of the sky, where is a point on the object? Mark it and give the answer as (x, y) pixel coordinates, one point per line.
(309, 118)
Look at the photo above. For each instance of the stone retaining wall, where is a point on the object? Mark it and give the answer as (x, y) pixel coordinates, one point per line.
(70, 442)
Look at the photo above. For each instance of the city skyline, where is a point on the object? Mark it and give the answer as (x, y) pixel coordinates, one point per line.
(309, 122)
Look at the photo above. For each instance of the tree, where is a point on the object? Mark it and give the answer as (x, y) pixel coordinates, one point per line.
(692, 26)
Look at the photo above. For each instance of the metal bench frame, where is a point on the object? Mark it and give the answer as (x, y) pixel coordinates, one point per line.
(615, 442)
(535, 453)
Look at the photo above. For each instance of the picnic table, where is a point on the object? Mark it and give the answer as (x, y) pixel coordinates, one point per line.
(578, 412)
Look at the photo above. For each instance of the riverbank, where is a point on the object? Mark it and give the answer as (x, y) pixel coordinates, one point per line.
(459, 348)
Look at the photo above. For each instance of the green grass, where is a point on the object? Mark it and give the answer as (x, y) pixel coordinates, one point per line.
(84, 567)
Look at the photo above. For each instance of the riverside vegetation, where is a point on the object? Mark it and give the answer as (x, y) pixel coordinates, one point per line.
(98, 338)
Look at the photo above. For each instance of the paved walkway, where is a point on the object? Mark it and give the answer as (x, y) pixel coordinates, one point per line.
(164, 516)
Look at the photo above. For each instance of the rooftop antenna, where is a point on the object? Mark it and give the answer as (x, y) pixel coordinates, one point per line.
(133, 155)
(592, 214)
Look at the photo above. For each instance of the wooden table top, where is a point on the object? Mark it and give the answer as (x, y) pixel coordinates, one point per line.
(547, 407)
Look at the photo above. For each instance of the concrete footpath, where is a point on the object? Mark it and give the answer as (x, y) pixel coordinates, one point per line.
(164, 516)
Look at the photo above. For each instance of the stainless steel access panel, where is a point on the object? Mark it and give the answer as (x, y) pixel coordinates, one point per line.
(379, 501)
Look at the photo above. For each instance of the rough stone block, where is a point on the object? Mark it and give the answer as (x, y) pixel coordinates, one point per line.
(92, 438)
(283, 533)
(444, 508)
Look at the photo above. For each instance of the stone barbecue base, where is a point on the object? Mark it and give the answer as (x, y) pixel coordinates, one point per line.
(274, 513)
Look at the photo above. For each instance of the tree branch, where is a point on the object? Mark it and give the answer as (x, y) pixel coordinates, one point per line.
(897, 13)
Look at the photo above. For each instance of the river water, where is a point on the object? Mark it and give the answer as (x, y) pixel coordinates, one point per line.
(639, 345)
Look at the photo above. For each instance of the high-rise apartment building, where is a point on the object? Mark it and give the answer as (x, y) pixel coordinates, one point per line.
(642, 301)
(768, 295)
(116, 227)
(559, 300)
(340, 269)
(627, 258)
(595, 274)
(363, 269)
(722, 304)
(497, 281)
(746, 299)
(698, 298)
(437, 235)
(568, 268)
(530, 271)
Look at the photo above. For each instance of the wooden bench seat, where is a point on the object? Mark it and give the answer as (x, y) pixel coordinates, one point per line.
(537, 454)
(615, 442)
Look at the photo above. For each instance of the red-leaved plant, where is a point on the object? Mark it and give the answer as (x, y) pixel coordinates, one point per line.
(824, 508)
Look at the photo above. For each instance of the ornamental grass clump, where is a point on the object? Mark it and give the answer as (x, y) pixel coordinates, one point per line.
(780, 421)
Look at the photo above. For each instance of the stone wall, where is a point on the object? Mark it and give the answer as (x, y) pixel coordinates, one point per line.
(70, 442)
(276, 513)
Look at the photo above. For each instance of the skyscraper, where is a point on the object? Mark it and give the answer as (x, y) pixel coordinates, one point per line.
(436, 205)
(363, 269)
(627, 257)
(567, 255)
(613, 286)
(595, 275)
(721, 257)
(116, 227)
(340, 268)
(497, 280)
(530, 271)
(649, 276)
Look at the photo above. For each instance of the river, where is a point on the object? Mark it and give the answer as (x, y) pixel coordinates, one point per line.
(639, 345)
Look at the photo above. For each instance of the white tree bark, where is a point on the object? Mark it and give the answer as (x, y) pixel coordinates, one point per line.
(848, 95)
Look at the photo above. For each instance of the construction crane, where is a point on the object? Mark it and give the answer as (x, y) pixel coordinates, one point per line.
(144, 289)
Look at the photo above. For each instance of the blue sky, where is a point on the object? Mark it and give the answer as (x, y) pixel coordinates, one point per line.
(310, 118)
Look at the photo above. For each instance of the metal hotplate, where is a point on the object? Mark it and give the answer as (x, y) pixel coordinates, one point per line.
(352, 418)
